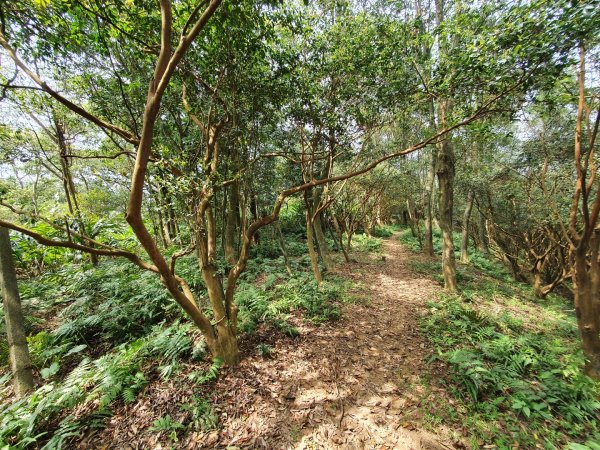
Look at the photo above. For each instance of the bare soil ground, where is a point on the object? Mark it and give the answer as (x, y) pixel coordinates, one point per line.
(363, 382)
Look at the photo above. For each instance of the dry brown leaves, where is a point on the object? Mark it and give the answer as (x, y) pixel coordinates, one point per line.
(353, 384)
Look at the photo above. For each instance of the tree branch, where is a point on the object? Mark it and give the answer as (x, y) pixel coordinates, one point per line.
(129, 137)
(83, 248)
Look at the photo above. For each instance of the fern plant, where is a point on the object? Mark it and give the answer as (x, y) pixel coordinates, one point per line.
(202, 414)
(503, 368)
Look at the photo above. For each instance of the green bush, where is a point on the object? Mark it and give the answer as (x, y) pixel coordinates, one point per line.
(384, 231)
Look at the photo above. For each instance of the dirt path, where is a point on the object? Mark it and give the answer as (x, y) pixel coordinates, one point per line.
(359, 383)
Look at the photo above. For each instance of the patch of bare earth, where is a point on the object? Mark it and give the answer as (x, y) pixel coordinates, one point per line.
(363, 382)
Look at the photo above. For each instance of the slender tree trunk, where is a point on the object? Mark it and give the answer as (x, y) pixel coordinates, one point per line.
(314, 261)
(162, 227)
(322, 242)
(482, 243)
(171, 221)
(168, 217)
(349, 240)
(414, 223)
(232, 222)
(282, 247)
(430, 177)
(445, 173)
(540, 288)
(429, 185)
(20, 363)
(464, 245)
(68, 184)
(349, 234)
(340, 239)
(334, 239)
(254, 213)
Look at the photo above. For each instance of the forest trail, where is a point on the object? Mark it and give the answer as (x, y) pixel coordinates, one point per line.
(353, 384)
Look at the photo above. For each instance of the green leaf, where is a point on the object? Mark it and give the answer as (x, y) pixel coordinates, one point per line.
(50, 371)
(76, 349)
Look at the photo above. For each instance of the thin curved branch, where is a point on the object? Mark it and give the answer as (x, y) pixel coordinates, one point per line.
(129, 137)
(55, 226)
(115, 156)
(180, 254)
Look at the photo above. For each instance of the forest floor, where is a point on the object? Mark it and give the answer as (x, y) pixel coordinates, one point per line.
(357, 383)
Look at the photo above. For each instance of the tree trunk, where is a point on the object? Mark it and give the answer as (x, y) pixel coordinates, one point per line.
(338, 232)
(334, 239)
(170, 222)
(232, 222)
(222, 342)
(322, 242)
(20, 362)
(68, 184)
(464, 245)
(314, 261)
(540, 288)
(349, 233)
(584, 230)
(164, 231)
(445, 173)
(482, 243)
(586, 283)
(414, 223)
(282, 247)
(255, 214)
(428, 241)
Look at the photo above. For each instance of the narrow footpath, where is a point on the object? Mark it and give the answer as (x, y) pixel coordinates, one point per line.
(358, 383)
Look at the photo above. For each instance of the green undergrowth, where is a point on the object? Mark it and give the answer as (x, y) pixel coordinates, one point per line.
(366, 243)
(521, 382)
(64, 407)
(99, 335)
(277, 296)
(385, 231)
(515, 361)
